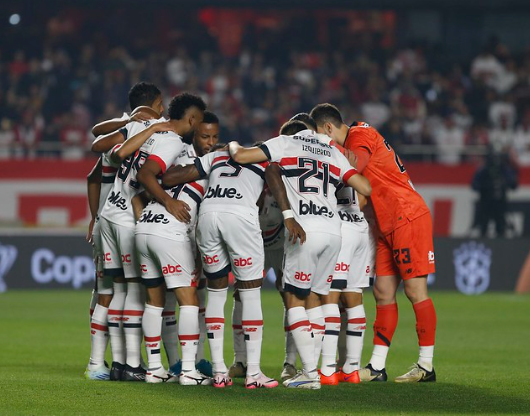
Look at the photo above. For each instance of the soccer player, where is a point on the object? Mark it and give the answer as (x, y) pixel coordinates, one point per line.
(146, 103)
(312, 170)
(229, 239)
(166, 251)
(404, 247)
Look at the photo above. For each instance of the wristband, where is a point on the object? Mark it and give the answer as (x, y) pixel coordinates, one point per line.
(288, 213)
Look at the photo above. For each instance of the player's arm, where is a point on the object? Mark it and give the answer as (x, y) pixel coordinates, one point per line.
(108, 126)
(246, 155)
(147, 176)
(93, 191)
(107, 141)
(274, 181)
(139, 202)
(359, 183)
(135, 142)
(362, 201)
(177, 175)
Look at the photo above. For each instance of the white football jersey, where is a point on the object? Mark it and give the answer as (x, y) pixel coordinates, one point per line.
(348, 206)
(108, 176)
(271, 223)
(162, 147)
(312, 170)
(156, 220)
(231, 187)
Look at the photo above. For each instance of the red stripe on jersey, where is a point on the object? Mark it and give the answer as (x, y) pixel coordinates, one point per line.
(197, 187)
(99, 327)
(252, 323)
(333, 320)
(115, 312)
(270, 232)
(218, 158)
(152, 339)
(317, 326)
(237, 327)
(214, 320)
(188, 337)
(160, 162)
(109, 169)
(286, 161)
(133, 313)
(299, 324)
(168, 313)
(349, 174)
(263, 164)
(357, 321)
(332, 168)
(116, 147)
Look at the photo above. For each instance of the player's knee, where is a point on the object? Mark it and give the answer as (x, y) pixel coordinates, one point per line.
(220, 283)
(104, 300)
(416, 290)
(187, 296)
(383, 296)
(250, 284)
(156, 296)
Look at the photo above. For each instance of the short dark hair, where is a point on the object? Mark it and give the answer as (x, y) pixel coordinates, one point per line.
(143, 93)
(324, 113)
(292, 127)
(180, 103)
(210, 118)
(217, 146)
(306, 119)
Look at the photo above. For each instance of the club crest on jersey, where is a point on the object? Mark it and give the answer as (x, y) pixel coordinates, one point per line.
(116, 199)
(314, 209)
(149, 217)
(472, 263)
(219, 192)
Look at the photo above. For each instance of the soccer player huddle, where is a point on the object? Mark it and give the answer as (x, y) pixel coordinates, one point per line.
(329, 207)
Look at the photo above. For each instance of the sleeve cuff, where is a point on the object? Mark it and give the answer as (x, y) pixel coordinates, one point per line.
(160, 162)
(200, 169)
(349, 174)
(265, 150)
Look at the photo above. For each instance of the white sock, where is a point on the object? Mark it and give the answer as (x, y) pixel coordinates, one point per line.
(378, 359)
(290, 347)
(99, 336)
(215, 326)
(354, 339)
(132, 326)
(152, 327)
(316, 317)
(331, 339)
(189, 335)
(240, 348)
(201, 294)
(169, 329)
(342, 337)
(303, 337)
(115, 322)
(426, 356)
(252, 322)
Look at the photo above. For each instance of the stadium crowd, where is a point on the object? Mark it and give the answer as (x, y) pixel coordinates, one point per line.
(415, 95)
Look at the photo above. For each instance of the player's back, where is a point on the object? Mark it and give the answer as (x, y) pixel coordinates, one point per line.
(232, 187)
(312, 170)
(393, 195)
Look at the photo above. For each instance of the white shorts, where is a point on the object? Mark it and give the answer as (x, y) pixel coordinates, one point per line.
(163, 259)
(103, 283)
(352, 271)
(119, 250)
(309, 267)
(230, 242)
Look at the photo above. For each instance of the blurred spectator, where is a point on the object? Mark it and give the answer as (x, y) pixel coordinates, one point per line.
(449, 139)
(521, 141)
(492, 182)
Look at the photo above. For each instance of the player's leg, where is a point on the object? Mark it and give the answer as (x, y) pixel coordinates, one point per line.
(238, 369)
(355, 329)
(202, 364)
(245, 247)
(112, 269)
(289, 361)
(313, 307)
(169, 330)
(134, 305)
(417, 261)
(330, 309)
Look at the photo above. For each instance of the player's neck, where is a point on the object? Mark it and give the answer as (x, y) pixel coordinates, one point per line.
(342, 134)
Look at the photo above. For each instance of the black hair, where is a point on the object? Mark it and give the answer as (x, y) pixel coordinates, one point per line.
(180, 103)
(324, 113)
(210, 118)
(217, 146)
(292, 127)
(143, 93)
(306, 119)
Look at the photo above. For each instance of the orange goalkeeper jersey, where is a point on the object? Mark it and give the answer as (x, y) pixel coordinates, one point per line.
(393, 196)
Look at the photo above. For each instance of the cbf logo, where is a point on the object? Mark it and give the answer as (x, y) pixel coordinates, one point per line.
(472, 268)
(8, 255)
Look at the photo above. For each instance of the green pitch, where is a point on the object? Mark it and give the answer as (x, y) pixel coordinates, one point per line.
(481, 360)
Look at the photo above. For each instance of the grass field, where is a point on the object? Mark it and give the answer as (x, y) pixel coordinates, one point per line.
(481, 362)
